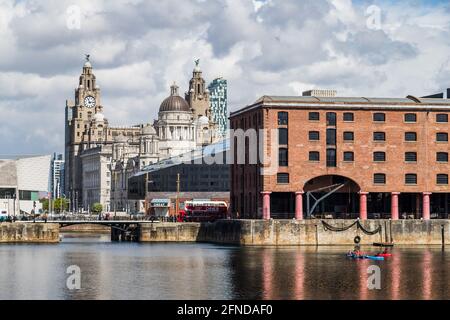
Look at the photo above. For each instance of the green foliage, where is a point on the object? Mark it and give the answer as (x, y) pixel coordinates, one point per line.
(58, 205)
(97, 208)
(44, 203)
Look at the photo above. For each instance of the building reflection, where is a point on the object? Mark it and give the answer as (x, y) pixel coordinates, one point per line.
(427, 272)
(362, 266)
(299, 276)
(394, 268)
(267, 274)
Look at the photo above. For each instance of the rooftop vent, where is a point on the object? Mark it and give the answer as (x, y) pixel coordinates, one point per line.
(320, 93)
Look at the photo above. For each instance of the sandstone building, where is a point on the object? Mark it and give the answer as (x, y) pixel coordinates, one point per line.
(100, 157)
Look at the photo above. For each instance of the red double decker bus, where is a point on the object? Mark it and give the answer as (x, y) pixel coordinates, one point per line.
(203, 210)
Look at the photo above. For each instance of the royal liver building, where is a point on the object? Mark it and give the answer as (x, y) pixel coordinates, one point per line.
(100, 158)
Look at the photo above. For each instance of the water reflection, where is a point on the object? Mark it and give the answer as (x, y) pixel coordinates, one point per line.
(427, 269)
(325, 273)
(394, 268)
(206, 271)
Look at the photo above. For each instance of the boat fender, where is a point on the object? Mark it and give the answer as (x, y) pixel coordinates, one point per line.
(357, 239)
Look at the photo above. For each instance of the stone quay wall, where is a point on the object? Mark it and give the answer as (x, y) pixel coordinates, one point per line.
(86, 228)
(304, 232)
(18, 232)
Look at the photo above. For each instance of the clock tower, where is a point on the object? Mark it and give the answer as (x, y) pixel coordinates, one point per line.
(78, 118)
(198, 94)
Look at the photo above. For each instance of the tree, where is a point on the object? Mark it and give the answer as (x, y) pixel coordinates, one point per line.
(44, 203)
(97, 208)
(61, 204)
(58, 205)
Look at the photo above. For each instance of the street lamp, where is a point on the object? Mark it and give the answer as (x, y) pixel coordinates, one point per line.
(14, 205)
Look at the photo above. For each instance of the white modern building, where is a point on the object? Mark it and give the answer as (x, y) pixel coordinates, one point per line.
(23, 182)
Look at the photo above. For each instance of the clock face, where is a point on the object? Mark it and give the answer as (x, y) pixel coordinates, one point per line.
(89, 101)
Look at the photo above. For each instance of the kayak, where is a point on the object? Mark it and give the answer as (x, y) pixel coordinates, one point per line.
(353, 256)
(374, 257)
(385, 255)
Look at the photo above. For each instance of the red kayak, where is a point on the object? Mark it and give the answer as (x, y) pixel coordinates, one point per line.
(384, 255)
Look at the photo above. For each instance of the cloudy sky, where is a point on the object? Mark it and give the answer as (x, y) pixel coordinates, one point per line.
(139, 47)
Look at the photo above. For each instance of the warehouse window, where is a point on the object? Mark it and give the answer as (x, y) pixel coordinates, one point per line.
(283, 157)
(441, 136)
(314, 135)
(410, 136)
(411, 156)
(410, 117)
(331, 118)
(379, 136)
(379, 156)
(379, 178)
(410, 178)
(282, 178)
(442, 157)
(314, 156)
(349, 116)
(283, 136)
(349, 156)
(314, 116)
(442, 117)
(442, 179)
(349, 136)
(331, 137)
(379, 117)
(283, 118)
(331, 157)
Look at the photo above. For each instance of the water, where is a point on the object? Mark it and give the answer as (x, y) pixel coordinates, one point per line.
(207, 271)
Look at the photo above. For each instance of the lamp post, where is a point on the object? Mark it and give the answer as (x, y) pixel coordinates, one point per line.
(177, 198)
(14, 206)
(76, 202)
(145, 193)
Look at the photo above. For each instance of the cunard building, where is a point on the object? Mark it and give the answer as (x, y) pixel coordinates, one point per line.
(100, 157)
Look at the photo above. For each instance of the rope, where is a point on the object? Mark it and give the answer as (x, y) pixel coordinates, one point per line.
(358, 226)
(370, 233)
(337, 229)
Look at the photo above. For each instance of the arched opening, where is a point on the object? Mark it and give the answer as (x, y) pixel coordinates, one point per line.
(331, 196)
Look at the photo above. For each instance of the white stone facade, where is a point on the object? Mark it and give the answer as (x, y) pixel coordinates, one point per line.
(181, 127)
(96, 164)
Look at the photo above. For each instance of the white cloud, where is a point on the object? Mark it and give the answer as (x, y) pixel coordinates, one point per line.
(138, 48)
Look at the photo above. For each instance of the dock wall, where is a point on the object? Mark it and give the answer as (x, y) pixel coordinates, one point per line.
(29, 232)
(305, 232)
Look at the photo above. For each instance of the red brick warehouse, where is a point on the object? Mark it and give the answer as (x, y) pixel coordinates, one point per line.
(343, 158)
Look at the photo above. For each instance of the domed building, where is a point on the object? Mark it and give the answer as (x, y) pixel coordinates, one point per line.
(100, 157)
(175, 126)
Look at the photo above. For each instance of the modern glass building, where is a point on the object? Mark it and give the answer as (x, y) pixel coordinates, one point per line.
(218, 100)
(57, 176)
